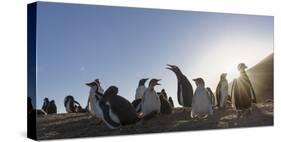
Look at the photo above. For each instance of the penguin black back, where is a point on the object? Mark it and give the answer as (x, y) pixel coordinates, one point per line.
(185, 90)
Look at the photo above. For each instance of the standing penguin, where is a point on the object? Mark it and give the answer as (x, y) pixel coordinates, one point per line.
(166, 107)
(141, 88)
(185, 90)
(70, 104)
(139, 94)
(52, 108)
(222, 91)
(90, 106)
(171, 101)
(113, 109)
(242, 91)
(201, 104)
(45, 104)
(212, 96)
(150, 101)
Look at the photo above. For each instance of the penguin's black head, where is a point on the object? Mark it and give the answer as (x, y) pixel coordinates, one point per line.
(241, 67)
(46, 100)
(199, 81)
(223, 76)
(170, 98)
(52, 102)
(93, 84)
(173, 68)
(142, 81)
(153, 82)
(112, 90)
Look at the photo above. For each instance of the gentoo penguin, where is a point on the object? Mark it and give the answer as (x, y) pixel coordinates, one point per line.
(163, 92)
(242, 91)
(201, 104)
(171, 101)
(52, 108)
(185, 90)
(139, 94)
(89, 106)
(211, 96)
(45, 104)
(222, 91)
(166, 107)
(70, 104)
(140, 89)
(150, 101)
(113, 109)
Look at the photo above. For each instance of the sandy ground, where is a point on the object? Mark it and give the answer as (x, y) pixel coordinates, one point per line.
(84, 125)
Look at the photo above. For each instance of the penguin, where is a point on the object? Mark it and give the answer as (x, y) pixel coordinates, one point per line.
(242, 91)
(141, 89)
(201, 104)
(150, 101)
(166, 107)
(52, 108)
(114, 110)
(185, 90)
(90, 106)
(222, 91)
(70, 104)
(211, 96)
(163, 92)
(45, 104)
(139, 94)
(171, 101)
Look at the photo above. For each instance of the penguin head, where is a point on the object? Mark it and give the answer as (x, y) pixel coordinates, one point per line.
(142, 81)
(154, 82)
(223, 76)
(173, 68)
(241, 67)
(95, 83)
(170, 98)
(112, 90)
(199, 81)
(46, 100)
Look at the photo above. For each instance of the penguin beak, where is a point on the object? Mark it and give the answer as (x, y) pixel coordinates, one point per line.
(170, 67)
(88, 84)
(157, 82)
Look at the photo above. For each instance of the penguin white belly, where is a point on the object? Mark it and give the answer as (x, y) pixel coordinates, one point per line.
(68, 107)
(140, 92)
(112, 115)
(224, 93)
(151, 103)
(201, 102)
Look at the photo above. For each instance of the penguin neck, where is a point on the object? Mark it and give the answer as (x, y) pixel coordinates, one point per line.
(200, 86)
(151, 88)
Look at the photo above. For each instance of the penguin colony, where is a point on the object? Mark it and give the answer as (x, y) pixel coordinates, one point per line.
(116, 111)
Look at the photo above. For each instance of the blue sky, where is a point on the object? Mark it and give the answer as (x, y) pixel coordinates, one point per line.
(79, 43)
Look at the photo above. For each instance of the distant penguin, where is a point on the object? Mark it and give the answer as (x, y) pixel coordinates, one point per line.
(171, 101)
(140, 89)
(201, 104)
(52, 108)
(242, 91)
(185, 90)
(70, 104)
(166, 107)
(139, 94)
(150, 101)
(211, 96)
(45, 104)
(163, 92)
(222, 91)
(115, 110)
(90, 106)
